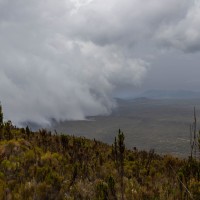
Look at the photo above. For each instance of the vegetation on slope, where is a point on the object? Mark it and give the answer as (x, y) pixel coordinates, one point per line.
(42, 165)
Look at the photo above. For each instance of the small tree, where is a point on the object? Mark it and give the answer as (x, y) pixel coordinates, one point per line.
(1, 115)
(111, 188)
(121, 147)
(1, 122)
(194, 139)
(118, 151)
(102, 191)
(64, 141)
(28, 132)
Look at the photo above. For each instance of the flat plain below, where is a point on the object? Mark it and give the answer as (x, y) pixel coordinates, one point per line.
(159, 124)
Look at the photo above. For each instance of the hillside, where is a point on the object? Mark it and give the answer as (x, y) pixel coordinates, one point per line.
(41, 165)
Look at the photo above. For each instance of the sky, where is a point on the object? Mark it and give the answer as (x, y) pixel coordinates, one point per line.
(68, 59)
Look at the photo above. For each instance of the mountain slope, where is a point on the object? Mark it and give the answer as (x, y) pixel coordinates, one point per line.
(42, 165)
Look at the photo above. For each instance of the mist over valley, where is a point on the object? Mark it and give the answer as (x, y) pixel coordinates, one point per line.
(160, 124)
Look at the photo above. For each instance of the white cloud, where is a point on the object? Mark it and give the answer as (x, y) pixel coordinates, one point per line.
(65, 59)
(46, 73)
(185, 33)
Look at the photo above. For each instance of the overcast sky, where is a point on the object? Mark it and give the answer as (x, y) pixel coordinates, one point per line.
(66, 59)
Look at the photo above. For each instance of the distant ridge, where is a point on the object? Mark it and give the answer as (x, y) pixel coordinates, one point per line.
(170, 94)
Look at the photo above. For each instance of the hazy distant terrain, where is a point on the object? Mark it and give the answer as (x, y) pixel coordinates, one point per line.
(171, 94)
(147, 123)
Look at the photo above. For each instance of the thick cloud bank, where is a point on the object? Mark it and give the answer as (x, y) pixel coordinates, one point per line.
(183, 34)
(65, 59)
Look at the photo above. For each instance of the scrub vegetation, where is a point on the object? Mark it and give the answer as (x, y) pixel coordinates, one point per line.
(43, 165)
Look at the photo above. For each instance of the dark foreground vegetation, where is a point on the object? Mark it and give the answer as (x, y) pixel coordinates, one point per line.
(41, 165)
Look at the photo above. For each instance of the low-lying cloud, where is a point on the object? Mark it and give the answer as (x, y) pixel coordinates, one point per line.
(65, 59)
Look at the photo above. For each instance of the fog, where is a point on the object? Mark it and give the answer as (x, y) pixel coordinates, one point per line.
(66, 60)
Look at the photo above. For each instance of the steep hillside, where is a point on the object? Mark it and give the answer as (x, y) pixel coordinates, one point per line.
(41, 165)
